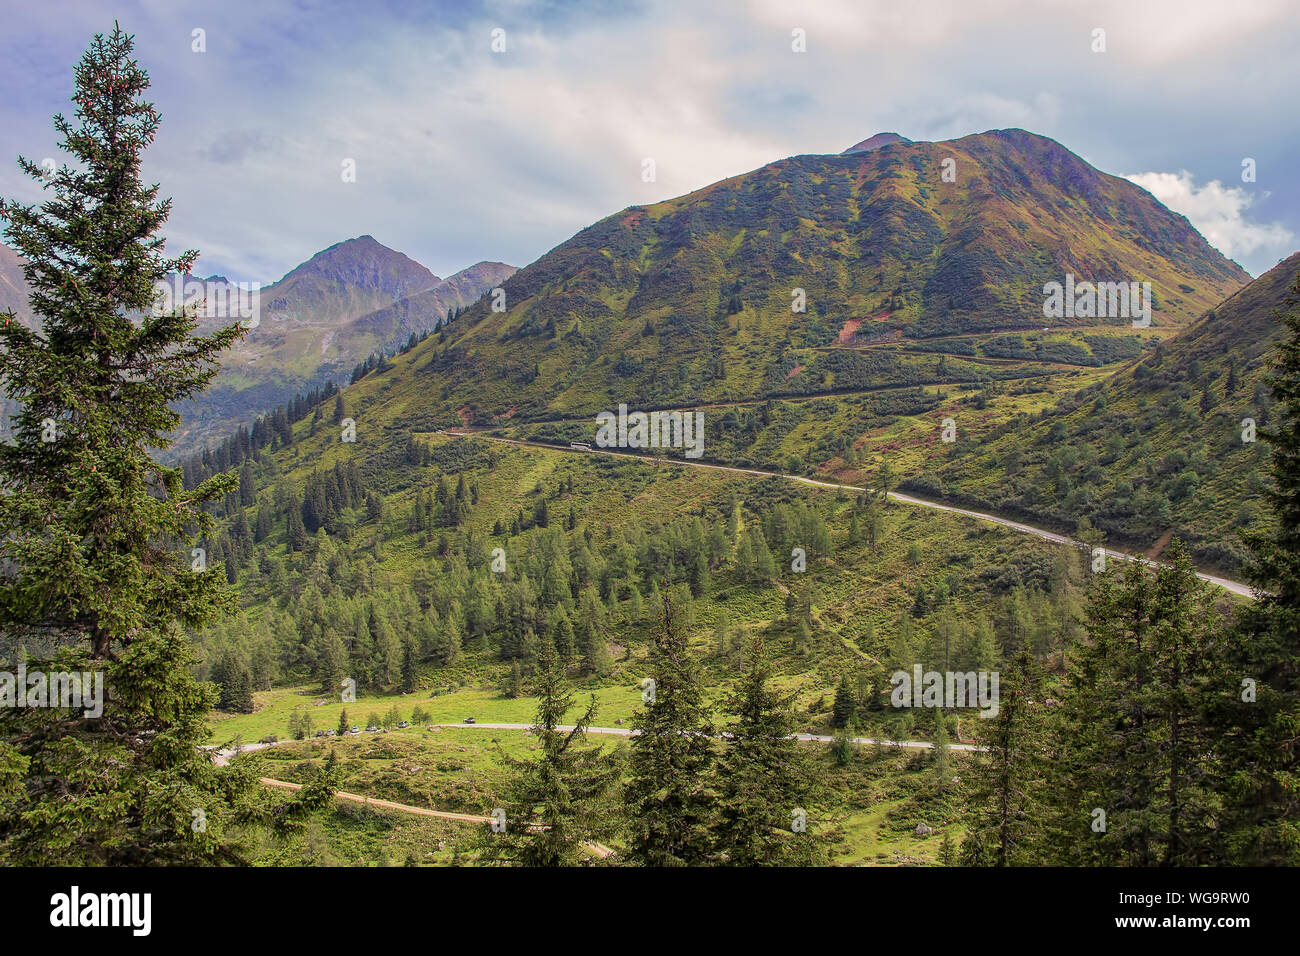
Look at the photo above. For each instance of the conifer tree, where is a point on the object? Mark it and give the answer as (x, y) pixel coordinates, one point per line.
(1006, 790)
(512, 685)
(669, 803)
(764, 565)
(1260, 722)
(947, 852)
(942, 759)
(845, 708)
(559, 799)
(590, 633)
(300, 723)
(561, 636)
(764, 781)
(1134, 734)
(95, 535)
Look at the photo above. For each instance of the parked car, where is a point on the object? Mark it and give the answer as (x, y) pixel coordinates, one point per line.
(404, 723)
(354, 729)
(269, 739)
(320, 733)
(470, 720)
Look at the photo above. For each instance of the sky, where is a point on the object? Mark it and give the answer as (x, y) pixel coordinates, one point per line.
(496, 130)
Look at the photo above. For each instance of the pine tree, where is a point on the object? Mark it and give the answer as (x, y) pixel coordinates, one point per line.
(722, 634)
(94, 530)
(874, 523)
(668, 799)
(512, 686)
(745, 559)
(947, 853)
(561, 635)
(845, 708)
(942, 759)
(392, 718)
(884, 482)
(410, 669)
(1134, 738)
(763, 779)
(450, 645)
(1007, 780)
(558, 800)
(300, 723)
(1262, 720)
(296, 531)
(247, 485)
(343, 722)
(590, 633)
(764, 565)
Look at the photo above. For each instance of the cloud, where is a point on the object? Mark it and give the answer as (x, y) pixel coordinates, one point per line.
(1218, 212)
(464, 155)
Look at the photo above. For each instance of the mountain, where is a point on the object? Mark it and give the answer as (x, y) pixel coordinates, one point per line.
(1152, 451)
(317, 323)
(425, 310)
(13, 287)
(692, 300)
(425, 562)
(314, 326)
(875, 142)
(347, 280)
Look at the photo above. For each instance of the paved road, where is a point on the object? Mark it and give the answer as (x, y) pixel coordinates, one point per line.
(222, 757)
(626, 732)
(1236, 587)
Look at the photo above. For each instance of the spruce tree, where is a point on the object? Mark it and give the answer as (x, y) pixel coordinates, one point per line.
(559, 799)
(1260, 720)
(845, 708)
(942, 767)
(1133, 736)
(764, 781)
(764, 565)
(94, 534)
(669, 803)
(561, 636)
(1007, 779)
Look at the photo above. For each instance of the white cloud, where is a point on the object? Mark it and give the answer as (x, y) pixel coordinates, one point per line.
(1218, 212)
(463, 154)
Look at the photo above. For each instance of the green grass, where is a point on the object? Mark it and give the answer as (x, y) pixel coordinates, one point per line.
(462, 771)
(274, 707)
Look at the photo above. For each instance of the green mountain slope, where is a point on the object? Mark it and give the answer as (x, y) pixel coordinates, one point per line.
(1155, 449)
(690, 300)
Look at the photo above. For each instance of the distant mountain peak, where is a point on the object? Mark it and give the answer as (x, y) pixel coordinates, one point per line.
(364, 249)
(875, 142)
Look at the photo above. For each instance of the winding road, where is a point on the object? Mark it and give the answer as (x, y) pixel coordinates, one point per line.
(813, 738)
(1235, 587)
